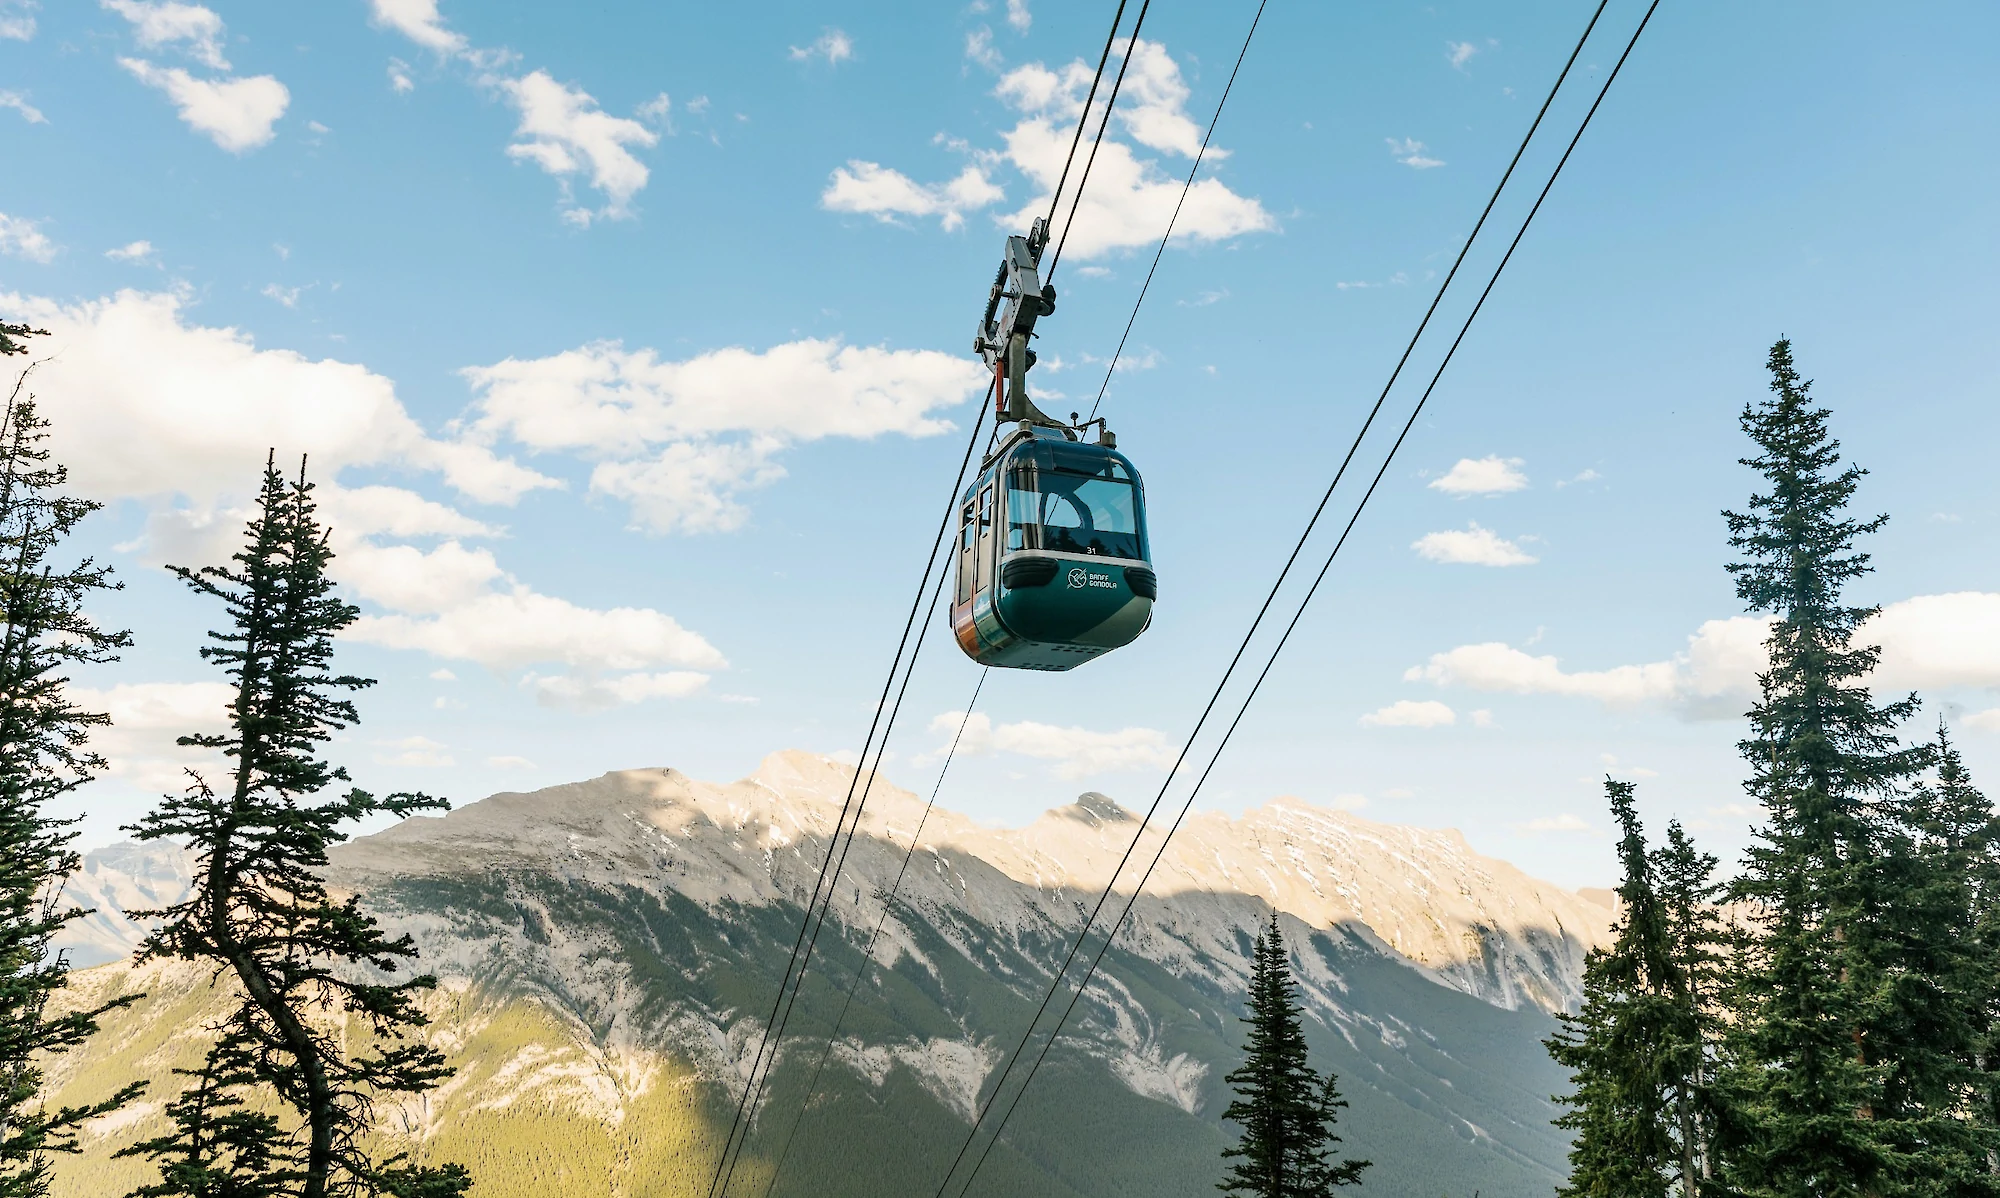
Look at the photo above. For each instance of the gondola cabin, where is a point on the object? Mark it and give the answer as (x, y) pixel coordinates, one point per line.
(1053, 568)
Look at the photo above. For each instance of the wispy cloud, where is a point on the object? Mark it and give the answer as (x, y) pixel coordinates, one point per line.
(1459, 53)
(23, 238)
(19, 103)
(1410, 153)
(1411, 713)
(834, 46)
(164, 23)
(137, 251)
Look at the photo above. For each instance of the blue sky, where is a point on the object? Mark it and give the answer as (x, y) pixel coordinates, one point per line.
(629, 343)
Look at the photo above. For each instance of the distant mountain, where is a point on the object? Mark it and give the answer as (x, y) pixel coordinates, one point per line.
(112, 881)
(608, 951)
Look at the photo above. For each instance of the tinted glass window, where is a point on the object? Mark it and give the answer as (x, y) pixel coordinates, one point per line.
(1069, 512)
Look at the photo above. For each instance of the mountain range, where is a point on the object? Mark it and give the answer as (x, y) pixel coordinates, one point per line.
(607, 952)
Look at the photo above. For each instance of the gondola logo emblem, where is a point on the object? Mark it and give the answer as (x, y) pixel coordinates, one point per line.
(1079, 578)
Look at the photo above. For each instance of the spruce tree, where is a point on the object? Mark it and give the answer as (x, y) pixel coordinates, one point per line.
(1618, 1047)
(1818, 1029)
(282, 1106)
(1286, 1109)
(1685, 880)
(44, 755)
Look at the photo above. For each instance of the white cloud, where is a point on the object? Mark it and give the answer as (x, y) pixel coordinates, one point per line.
(1482, 718)
(17, 20)
(1720, 665)
(287, 296)
(168, 22)
(442, 675)
(1984, 721)
(593, 694)
(418, 751)
(1934, 641)
(399, 77)
(1471, 546)
(520, 627)
(563, 131)
(1491, 475)
(1130, 198)
(1410, 713)
(679, 441)
(1556, 823)
(1077, 752)
(1411, 153)
(876, 190)
(1018, 15)
(237, 114)
(1460, 53)
(137, 251)
(146, 719)
(419, 21)
(511, 763)
(155, 407)
(1586, 476)
(23, 238)
(19, 103)
(833, 45)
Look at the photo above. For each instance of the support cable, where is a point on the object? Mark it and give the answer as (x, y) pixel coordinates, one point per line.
(1131, 45)
(1320, 578)
(1264, 609)
(1175, 218)
(868, 953)
(768, 1045)
(872, 771)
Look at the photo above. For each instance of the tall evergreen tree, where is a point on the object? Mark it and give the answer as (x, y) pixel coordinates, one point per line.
(1618, 1046)
(1685, 879)
(1286, 1109)
(44, 755)
(1817, 1031)
(260, 913)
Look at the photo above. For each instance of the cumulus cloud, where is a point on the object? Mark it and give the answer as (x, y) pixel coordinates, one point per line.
(1937, 641)
(679, 441)
(1491, 475)
(237, 114)
(179, 417)
(564, 132)
(161, 23)
(136, 251)
(23, 238)
(419, 21)
(1410, 713)
(1130, 198)
(1076, 752)
(591, 694)
(1410, 153)
(875, 190)
(1472, 546)
(19, 103)
(834, 46)
(146, 719)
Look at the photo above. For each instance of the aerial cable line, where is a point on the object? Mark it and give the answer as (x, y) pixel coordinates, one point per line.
(766, 1056)
(768, 1044)
(1325, 567)
(1175, 218)
(1264, 609)
(1131, 47)
(1083, 118)
(868, 953)
(872, 771)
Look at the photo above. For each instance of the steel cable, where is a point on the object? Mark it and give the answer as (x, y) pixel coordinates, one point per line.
(1313, 590)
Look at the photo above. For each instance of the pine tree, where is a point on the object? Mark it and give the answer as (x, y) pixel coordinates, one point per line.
(44, 755)
(1949, 985)
(260, 913)
(1286, 1109)
(1685, 879)
(1618, 1046)
(1816, 1032)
